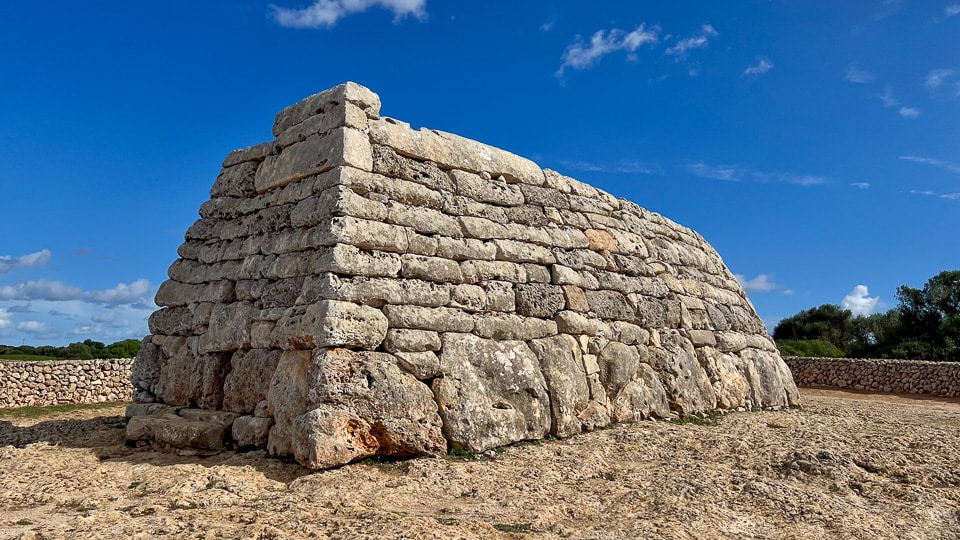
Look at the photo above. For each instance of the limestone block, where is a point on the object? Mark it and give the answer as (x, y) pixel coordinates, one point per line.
(376, 292)
(632, 266)
(331, 323)
(251, 153)
(388, 411)
(610, 305)
(454, 152)
(508, 326)
(422, 220)
(581, 259)
(575, 299)
(687, 385)
(618, 366)
(492, 393)
(229, 328)
(430, 269)
(406, 340)
(543, 196)
(460, 249)
(287, 399)
(177, 434)
(423, 365)
(643, 397)
(236, 180)
(249, 378)
(520, 252)
(531, 216)
(476, 271)
(500, 296)
(481, 228)
(702, 338)
(251, 431)
(571, 322)
(436, 319)
(630, 334)
(364, 234)
(536, 273)
(350, 260)
(324, 102)
(491, 191)
(458, 205)
(564, 275)
(539, 300)
(388, 163)
(369, 184)
(728, 380)
(145, 371)
(340, 115)
(314, 155)
(562, 367)
(469, 298)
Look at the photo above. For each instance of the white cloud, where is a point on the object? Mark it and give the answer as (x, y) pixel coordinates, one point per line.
(761, 283)
(951, 10)
(936, 78)
(762, 66)
(58, 291)
(935, 162)
(623, 167)
(947, 196)
(40, 258)
(693, 42)
(856, 75)
(888, 99)
(6, 319)
(582, 55)
(547, 26)
(909, 112)
(33, 327)
(326, 13)
(861, 185)
(859, 301)
(730, 173)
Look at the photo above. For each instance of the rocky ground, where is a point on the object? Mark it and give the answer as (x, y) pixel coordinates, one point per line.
(845, 466)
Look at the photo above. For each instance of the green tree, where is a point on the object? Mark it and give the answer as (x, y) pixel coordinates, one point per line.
(127, 348)
(930, 318)
(77, 351)
(828, 322)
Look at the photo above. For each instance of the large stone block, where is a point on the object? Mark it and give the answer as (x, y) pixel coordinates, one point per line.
(491, 393)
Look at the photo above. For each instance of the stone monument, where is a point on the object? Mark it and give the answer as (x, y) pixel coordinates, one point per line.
(356, 287)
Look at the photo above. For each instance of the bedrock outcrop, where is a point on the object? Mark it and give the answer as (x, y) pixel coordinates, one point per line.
(357, 287)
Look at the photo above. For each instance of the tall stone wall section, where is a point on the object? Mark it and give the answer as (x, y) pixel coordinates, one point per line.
(358, 287)
(55, 382)
(878, 375)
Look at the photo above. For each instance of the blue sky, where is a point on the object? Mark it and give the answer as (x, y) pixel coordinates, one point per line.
(816, 145)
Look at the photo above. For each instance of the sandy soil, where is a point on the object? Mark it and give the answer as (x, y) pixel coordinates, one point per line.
(845, 466)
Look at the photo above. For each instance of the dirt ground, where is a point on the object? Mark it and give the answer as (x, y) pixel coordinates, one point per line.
(845, 466)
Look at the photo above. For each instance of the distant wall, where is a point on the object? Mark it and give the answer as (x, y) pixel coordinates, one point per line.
(900, 376)
(64, 381)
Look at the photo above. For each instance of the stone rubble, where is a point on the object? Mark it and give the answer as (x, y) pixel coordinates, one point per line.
(356, 288)
(56, 382)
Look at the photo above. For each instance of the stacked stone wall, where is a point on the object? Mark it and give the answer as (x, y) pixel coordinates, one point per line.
(878, 375)
(56, 382)
(358, 287)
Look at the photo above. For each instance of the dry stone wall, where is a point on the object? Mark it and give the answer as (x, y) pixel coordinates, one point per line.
(24, 384)
(357, 287)
(876, 375)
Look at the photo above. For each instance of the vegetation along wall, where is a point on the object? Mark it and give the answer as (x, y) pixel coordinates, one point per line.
(53, 382)
(900, 376)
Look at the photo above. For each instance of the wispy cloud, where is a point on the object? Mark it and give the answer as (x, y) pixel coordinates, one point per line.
(761, 283)
(6, 319)
(326, 13)
(859, 301)
(937, 77)
(60, 292)
(943, 164)
(951, 10)
(736, 173)
(887, 8)
(583, 55)
(627, 166)
(888, 98)
(928, 193)
(856, 75)
(40, 258)
(861, 185)
(730, 173)
(698, 41)
(547, 26)
(762, 66)
(33, 327)
(909, 112)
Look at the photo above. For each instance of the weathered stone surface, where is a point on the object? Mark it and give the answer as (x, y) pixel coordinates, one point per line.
(353, 281)
(491, 393)
(562, 367)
